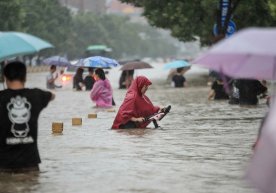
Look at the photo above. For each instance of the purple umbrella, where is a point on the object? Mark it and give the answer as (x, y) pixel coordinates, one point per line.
(262, 169)
(250, 53)
(56, 60)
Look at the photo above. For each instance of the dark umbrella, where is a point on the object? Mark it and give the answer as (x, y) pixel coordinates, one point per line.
(135, 65)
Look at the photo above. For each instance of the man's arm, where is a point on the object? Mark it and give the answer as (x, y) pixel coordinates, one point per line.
(53, 96)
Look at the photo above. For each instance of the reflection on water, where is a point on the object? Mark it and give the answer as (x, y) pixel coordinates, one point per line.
(203, 146)
(21, 182)
(135, 132)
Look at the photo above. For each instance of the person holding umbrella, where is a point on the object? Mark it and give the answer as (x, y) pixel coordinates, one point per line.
(78, 82)
(178, 79)
(89, 79)
(126, 78)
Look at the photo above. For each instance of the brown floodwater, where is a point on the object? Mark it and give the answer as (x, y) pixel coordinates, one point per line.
(202, 146)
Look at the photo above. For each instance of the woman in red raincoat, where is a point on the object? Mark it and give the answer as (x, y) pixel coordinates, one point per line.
(136, 106)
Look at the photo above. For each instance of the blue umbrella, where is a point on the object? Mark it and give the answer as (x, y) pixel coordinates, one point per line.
(56, 60)
(177, 64)
(97, 62)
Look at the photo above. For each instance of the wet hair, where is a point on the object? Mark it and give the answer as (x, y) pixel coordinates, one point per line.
(79, 71)
(179, 69)
(53, 67)
(15, 71)
(91, 70)
(100, 73)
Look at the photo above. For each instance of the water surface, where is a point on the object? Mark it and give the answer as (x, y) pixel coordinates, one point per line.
(203, 146)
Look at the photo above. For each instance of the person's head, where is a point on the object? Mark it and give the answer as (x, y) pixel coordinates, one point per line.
(79, 72)
(140, 84)
(91, 70)
(15, 71)
(219, 80)
(99, 74)
(53, 68)
(144, 89)
(130, 72)
(180, 70)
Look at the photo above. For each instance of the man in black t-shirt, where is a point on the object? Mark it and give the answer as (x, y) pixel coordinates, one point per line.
(249, 90)
(217, 91)
(89, 79)
(178, 79)
(19, 111)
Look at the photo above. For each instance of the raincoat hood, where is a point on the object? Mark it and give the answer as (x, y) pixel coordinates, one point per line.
(138, 84)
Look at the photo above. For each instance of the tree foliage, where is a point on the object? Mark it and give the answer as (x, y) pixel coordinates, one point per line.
(124, 37)
(10, 15)
(190, 19)
(71, 34)
(48, 20)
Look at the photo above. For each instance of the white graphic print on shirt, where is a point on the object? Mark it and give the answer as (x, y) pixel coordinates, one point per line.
(19, 114)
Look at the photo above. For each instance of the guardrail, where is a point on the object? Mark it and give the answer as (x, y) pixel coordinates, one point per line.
(41, 68)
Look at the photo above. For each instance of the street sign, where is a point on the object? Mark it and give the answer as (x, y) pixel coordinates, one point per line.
(224, 10)
(230, 29)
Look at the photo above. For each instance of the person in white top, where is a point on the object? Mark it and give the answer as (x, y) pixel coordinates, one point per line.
(51, 77)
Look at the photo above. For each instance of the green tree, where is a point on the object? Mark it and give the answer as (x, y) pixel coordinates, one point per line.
(10, 15)
(48, 20)
(124, 37)
(190, 19)
(71, 34)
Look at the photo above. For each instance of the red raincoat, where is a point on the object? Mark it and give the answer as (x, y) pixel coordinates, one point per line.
(135, 104)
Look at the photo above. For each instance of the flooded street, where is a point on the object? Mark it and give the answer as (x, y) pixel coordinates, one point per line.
(202, 147)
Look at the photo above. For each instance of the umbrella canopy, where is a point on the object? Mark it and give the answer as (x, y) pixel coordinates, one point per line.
(98, 47)
(97, 62)
(56, 60)
(177, 64)
(135, 65)
(261, 171)
(250, 53)
(16, 43)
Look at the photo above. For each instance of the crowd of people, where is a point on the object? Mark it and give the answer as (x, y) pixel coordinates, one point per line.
(237, 91)
(20, 107)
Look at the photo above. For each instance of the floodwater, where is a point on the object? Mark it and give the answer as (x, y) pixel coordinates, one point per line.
(202, 147)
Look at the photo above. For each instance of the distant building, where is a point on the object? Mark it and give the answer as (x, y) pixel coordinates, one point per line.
(117, 7)
(124, 9)
(98, 6)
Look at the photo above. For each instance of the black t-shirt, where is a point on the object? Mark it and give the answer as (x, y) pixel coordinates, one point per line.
(76, 82)
(219, 91)
(249, 90)
(178, 80)
(19, 112)
(89, 82)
